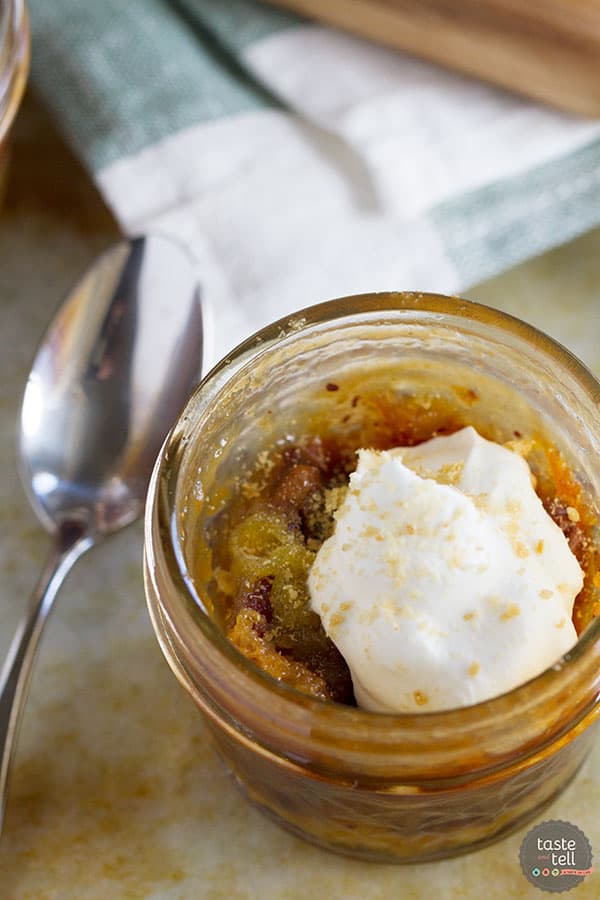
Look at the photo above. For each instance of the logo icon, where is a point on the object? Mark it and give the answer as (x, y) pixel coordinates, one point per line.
(555, 856)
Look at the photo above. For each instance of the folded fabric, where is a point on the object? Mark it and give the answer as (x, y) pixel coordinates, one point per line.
(300, 163)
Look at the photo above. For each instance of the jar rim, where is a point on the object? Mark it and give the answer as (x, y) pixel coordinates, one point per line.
(14, 60)
(292, 701)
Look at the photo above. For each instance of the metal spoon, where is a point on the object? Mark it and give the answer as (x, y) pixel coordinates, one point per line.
(113, 370)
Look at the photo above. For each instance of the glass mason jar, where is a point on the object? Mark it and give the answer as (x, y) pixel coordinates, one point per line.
(401, 788)
(14, 66)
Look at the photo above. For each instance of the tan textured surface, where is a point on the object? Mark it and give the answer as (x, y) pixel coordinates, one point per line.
(116, 793)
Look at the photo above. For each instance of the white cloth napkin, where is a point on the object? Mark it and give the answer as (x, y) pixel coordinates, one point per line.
(299, 163)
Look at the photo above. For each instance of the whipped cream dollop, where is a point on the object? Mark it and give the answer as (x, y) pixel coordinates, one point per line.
(445, 581)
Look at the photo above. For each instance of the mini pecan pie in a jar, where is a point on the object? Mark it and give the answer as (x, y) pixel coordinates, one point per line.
(371, 559)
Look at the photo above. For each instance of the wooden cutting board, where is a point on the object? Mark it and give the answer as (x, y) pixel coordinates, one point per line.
(546, 49)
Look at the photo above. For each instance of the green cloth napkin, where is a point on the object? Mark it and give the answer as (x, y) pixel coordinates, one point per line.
(301, 163)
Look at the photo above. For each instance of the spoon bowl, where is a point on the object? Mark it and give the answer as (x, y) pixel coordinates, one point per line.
(112, 372)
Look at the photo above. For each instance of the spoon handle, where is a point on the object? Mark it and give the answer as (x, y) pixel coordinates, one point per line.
(70, 542)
